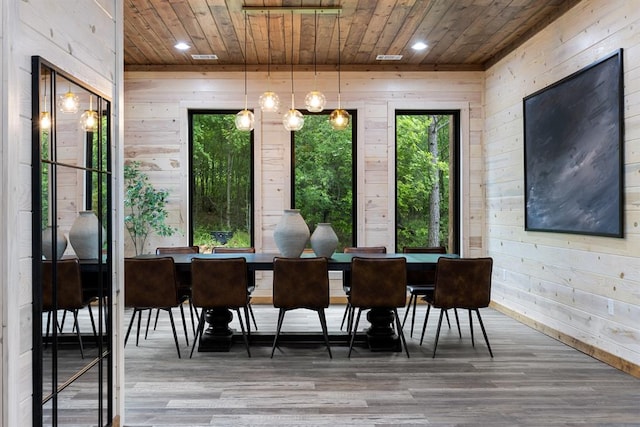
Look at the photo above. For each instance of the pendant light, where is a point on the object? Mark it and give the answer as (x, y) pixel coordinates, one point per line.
(45, 116)
(293, 120)
(89, 119)
(69, 102)
(269, 101)
(315, 99)
(339, 118)
(245, 118)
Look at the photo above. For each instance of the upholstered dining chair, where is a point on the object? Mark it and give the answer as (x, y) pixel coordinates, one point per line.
(251, 278)
(420, 284)
(183, 282)
(378, 283)
(150, 283)
(346, 279)
(69, 295)
(301, 283)
(461, 283)
(220, 283)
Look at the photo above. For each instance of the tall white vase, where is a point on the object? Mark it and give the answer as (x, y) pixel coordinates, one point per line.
(324, 240)
(47, 243)
(291, 234)
(84, 235)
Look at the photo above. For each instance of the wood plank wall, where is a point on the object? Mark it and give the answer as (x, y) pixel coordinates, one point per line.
(156, 106)
(582, 289)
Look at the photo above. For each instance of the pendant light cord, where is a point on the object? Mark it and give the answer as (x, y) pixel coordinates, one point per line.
(339, 89)
(292, 104)
(245, 60)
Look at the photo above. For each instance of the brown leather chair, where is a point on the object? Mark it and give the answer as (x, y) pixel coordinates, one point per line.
(301, 283)
(378, 283)
(151, 283)
(251, 283)
(420, 284)
(184, 285)
(69, 295)
(346, 279)
(461, 283)
(219, 283)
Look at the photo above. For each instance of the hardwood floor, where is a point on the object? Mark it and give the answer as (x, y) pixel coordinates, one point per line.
(533, 380)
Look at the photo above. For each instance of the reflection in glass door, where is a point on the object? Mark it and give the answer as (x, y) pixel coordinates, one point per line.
(72, 337)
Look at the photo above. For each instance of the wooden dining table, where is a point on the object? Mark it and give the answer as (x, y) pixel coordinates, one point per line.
(380, 336)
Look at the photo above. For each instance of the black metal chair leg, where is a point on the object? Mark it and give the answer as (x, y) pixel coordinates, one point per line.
(146, 332)
(404, 341)
(424, 326)
(184, 323)
(344, 316)
(138, 331)
(175, 334)
(198, 332)
(133, 317)
(275, 339)
(353, 332)
(473, 344)
(77, 328)
(406, 311)
(435, 345)
(323, 323)
(455, 311)
(484, 332)
(244, 335)
(255, 325)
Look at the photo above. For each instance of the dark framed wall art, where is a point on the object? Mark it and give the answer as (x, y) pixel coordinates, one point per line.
(573, 134)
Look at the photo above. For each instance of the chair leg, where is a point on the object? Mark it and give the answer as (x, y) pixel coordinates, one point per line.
(424, 326)
(484, 332)
(435, 345)
(198, 332)
(184, 323)
(404, 342)
(455, 311)
(191, 310)
(244, 335)
(77, 328)
(146, 332)
(138, 331)
(352, 312)
(175, 334)
(155, 325)
(46, 342)
(344, 316)
(247, 321)
(255, 325)
(473, 344)
(323, 323)
(93, 325)
(353, 332)
(406, 311)
(133, 317)
(275, 339)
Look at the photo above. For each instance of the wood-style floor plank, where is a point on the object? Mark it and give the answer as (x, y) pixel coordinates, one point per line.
(533, 380)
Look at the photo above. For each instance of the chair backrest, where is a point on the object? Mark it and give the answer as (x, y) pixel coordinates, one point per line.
(463, 283)
(378, 282)
(300, 283)
(178, 250)
(427, 277)
(69, 285)
(219, 283)
(228, 250)
(150, 283)
(365, 250)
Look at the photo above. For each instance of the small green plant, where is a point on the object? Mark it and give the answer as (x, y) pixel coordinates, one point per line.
(145, 207)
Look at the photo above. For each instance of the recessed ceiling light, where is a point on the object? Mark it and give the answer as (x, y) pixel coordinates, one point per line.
(419, 46)
(181, 46)
(205, 57)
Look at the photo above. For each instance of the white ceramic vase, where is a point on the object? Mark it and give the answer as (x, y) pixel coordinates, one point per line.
(291, 234)
(47, 243)
(324, 240)
(84, 235)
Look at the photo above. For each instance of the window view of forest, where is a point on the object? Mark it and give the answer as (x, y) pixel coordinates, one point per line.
(423, 157)
(323, 176)
(221, 181)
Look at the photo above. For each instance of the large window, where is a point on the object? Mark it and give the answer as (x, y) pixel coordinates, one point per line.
(427, 202)
(221, 186)
(323, 175)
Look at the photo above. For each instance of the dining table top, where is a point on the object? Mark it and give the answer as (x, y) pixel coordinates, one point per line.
(338, 261)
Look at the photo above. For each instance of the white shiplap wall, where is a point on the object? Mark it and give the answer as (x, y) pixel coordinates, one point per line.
(565, 284)
(156, 134)
(51, 30)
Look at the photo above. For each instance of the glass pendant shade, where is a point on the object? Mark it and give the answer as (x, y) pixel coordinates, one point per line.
(245, 120)
(89, 121)
(269, 102)
(293, 120)
(315, 101)
(339, 119)
(69, 102)
(45, 120)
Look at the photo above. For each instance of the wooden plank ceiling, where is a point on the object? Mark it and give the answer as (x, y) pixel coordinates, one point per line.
(460, 34)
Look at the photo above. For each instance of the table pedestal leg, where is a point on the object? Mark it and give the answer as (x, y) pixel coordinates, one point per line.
(381, 336)
(217, 336)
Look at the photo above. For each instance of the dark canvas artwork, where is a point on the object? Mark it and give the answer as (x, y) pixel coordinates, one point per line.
(573, 153)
